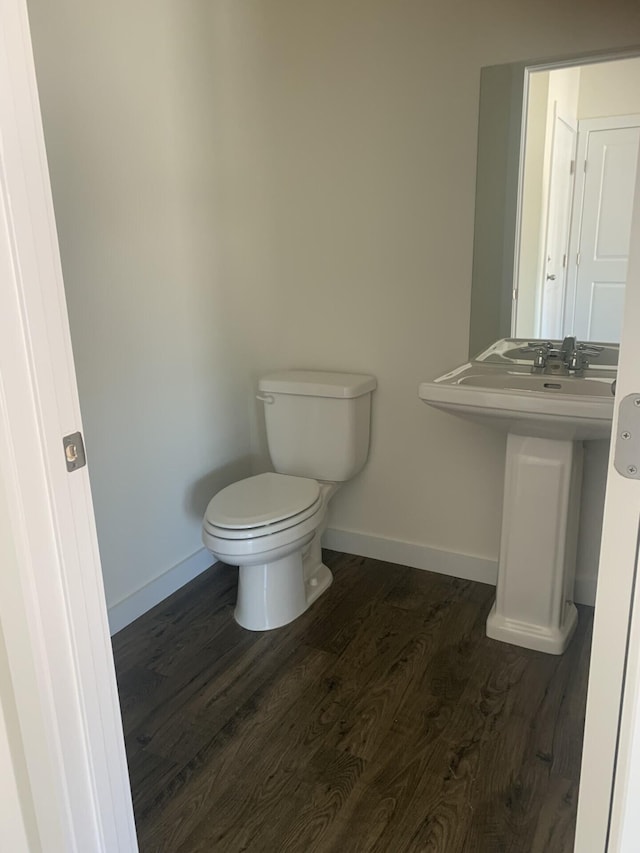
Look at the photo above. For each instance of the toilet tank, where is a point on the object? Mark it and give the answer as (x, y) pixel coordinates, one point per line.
(317, 422)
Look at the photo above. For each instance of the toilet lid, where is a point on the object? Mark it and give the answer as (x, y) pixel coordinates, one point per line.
(264, 499)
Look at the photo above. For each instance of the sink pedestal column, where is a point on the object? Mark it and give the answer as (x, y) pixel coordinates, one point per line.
(534, 597)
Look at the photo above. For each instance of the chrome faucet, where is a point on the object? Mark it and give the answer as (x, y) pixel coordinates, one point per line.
(575, 355)
(576, 361)
(543, 350)
(570, 357)
(540, 358)
(568, 348)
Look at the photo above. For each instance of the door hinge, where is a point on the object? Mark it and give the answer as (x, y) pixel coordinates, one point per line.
(584, 168)
(74, 454)
(572, 167)
(578, 259)
(627, 450)
(564, 261)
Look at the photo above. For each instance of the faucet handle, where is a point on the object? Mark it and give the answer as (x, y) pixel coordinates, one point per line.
(590, 349)
(535, 346)
(540, 358)
(577, 361)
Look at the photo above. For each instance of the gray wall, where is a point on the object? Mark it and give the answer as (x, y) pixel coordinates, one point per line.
(499, 126)
(130, 116)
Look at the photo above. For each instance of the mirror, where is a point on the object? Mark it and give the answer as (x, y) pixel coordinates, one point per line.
(551, 238)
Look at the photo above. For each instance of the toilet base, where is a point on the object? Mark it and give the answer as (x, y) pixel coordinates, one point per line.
(273, 594)
(319, 582)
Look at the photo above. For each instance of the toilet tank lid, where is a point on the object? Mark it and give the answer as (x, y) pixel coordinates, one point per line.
(317, 383)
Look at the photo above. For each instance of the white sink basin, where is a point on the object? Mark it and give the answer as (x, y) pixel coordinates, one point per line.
(511, 398)
(546, 416)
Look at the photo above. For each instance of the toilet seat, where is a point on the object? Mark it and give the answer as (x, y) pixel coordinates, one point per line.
(262, 506)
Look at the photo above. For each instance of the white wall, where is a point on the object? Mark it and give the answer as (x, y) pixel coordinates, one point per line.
(128, 106)
(564, 89)
(353, 137)
(610, 89)
(246, 186)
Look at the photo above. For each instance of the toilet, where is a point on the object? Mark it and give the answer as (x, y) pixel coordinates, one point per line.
(271, 525)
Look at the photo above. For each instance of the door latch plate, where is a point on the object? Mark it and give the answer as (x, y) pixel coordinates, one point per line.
(74, 454)
(626, 458)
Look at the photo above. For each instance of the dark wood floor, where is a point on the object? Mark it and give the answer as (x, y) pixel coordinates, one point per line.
(381, 720)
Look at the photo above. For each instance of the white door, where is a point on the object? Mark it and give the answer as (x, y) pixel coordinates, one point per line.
(609, 156)
(608, 816)
(57, 682)
(561, 178)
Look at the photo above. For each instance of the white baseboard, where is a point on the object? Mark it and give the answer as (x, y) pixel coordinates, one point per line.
(417, 556)
(412, 554)
(125, 611)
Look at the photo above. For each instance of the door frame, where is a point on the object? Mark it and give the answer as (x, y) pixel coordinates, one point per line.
(67, 738)
(542, 264)
(610, 775)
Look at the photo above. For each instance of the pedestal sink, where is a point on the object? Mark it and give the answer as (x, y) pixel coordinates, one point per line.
(547, 416)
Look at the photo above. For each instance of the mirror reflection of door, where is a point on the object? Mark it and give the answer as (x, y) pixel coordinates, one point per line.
(609, 151)
(574, 221)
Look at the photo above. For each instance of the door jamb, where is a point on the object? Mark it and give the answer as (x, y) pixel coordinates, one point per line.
(52, 607)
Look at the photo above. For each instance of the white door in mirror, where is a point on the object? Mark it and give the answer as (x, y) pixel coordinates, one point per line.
(605, 227)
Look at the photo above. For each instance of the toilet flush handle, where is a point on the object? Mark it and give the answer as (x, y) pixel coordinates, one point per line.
(266, 398)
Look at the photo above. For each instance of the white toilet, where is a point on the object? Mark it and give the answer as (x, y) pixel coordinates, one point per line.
(270, 525)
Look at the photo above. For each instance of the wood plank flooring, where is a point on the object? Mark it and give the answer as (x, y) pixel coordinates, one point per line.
(381, 720)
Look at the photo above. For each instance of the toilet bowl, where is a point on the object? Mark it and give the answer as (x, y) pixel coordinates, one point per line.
(271, 525)
(267, 525)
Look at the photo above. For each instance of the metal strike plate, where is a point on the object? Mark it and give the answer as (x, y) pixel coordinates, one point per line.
(74, 451)
(627, 453)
